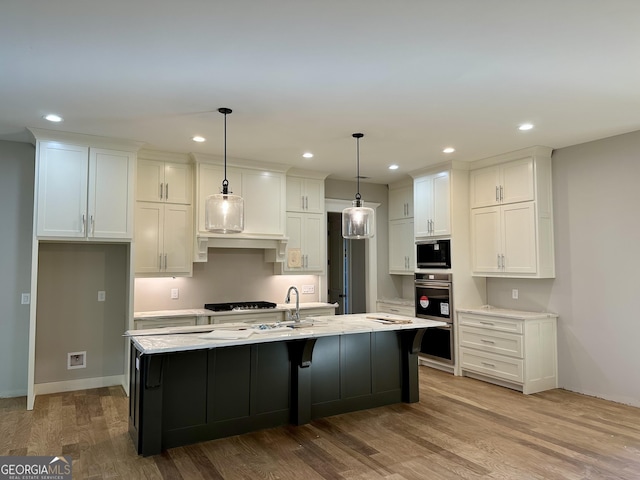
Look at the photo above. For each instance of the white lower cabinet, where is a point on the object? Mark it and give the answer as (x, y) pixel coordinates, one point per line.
(395, 308)
(163, 236)
(517, 351)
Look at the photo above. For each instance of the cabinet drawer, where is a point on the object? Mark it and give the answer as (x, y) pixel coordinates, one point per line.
(395, 309)
(492, 341)
(269, 317)
(506, 368)
(489, 322)
(165, 322)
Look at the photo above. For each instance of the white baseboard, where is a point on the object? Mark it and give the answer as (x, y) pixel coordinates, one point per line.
(80, 384)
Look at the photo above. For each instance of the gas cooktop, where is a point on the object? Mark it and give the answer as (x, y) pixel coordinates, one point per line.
(227, 307)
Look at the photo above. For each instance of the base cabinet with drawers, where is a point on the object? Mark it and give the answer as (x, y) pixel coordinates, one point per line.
(515, 349)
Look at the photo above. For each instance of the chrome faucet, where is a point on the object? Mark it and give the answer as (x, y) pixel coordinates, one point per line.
(294, 316)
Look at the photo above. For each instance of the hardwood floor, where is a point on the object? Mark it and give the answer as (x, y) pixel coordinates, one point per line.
(460, 429)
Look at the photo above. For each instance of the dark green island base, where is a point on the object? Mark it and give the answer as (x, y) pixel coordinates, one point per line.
(191, 396)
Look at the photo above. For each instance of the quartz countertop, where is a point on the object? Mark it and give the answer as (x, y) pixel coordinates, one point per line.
(202, 312)
(176, 339)
(503, 312)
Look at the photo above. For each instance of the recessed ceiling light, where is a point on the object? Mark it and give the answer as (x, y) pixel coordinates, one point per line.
(393, 167)
(525, 126)
(52, 117)
(449, 150)
(307, 155)
(198, 139)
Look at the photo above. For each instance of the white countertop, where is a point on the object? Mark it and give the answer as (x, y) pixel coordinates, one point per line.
(202, 312)
(176, 339)
(503, 312)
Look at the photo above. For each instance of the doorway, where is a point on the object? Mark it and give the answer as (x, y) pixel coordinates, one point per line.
(346, 269)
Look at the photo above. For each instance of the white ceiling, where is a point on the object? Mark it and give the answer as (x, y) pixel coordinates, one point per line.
(414, 76)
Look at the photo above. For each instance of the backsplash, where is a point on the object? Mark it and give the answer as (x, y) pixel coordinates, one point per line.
(230, 275)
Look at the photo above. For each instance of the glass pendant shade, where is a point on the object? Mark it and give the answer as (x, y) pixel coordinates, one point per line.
(358, 221)
(224, 213)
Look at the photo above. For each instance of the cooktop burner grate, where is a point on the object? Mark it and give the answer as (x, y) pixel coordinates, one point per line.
(227, 307)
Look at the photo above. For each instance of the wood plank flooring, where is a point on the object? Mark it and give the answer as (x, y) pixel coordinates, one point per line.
(460, 429)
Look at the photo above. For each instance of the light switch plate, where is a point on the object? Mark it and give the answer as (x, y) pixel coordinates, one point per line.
(25, 299)
(308, 289)
(174, 293)
(102, 295)
(514, 293)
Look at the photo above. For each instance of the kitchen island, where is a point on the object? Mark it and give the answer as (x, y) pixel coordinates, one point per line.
(191, 384)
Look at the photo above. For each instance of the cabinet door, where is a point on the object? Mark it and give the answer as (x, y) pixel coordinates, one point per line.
(441, 205)
(150, 181)
(148, 237)
(178, 181)
(264, 208)
(400, 203)
(177, 239)
(517, 181)
(110, 197)
(295, 233)
(295, 194)
(62, 189)
(401, 246)
(423, 206)
(485, 187)
(519, 238)
(314, 235)
(314, 195)
(486, 239)
(209, 183)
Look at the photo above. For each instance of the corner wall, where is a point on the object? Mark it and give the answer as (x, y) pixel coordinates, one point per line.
(596, 190)
(16, 218)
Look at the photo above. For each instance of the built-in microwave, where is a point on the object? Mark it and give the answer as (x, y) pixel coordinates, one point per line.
(433, 253)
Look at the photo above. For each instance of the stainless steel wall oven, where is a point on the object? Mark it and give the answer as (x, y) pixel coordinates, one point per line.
(433, 294)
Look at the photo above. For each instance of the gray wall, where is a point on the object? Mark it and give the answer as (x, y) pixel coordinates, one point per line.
(17, 162)
(70, 318)
(596, 189)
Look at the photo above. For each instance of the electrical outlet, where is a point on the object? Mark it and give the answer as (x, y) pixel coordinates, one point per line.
(174, 293)
(102, 295)
(76, 360)
(514, 293)
(308, 289)
(25, 298)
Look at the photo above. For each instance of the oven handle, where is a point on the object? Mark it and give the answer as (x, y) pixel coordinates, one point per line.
(433, 285)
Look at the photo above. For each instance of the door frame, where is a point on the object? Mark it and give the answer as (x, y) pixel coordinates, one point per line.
(370, 252)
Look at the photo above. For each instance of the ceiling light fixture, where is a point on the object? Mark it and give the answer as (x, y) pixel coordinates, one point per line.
(307, 155)
(525, 126)
(393, 167)
(52, 117)
(358, 221)
(224, 212)
(198, 139)
(449, 150)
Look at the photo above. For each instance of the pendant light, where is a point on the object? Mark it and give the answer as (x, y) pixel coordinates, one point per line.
(358, 221)
(224, 212)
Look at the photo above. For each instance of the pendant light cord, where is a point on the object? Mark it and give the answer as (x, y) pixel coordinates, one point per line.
(225, 182)
(358, 136)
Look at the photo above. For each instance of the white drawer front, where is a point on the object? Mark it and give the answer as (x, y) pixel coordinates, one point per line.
(492, 341)
(395, 309)
(493, 323)
(269, 317)
(507, 368)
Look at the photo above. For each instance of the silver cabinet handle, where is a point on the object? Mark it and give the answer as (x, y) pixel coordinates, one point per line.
(487, 364)
(487, 323)
(497, 193)
(484, 340)
(302, 202)
(161, 189)
(160, 262)
(498, 257)
(166, 191)
(306, 203)
(165, 261)
(93, 226)
(502, 258)
(501, 193)
(83, 224)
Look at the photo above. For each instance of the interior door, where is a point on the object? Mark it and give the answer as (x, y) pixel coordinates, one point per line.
(335, 262)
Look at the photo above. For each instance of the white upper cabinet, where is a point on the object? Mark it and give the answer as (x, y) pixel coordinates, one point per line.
(305, 195)
(262, 190)
(510, 182)
(306, 248)
(512, 230)
(401, 247)
(400, 202)
(160, 181)
(432, 205)
(84, 192)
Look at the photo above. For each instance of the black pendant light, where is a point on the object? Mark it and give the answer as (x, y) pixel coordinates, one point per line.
(224, 212)
(358, 221)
